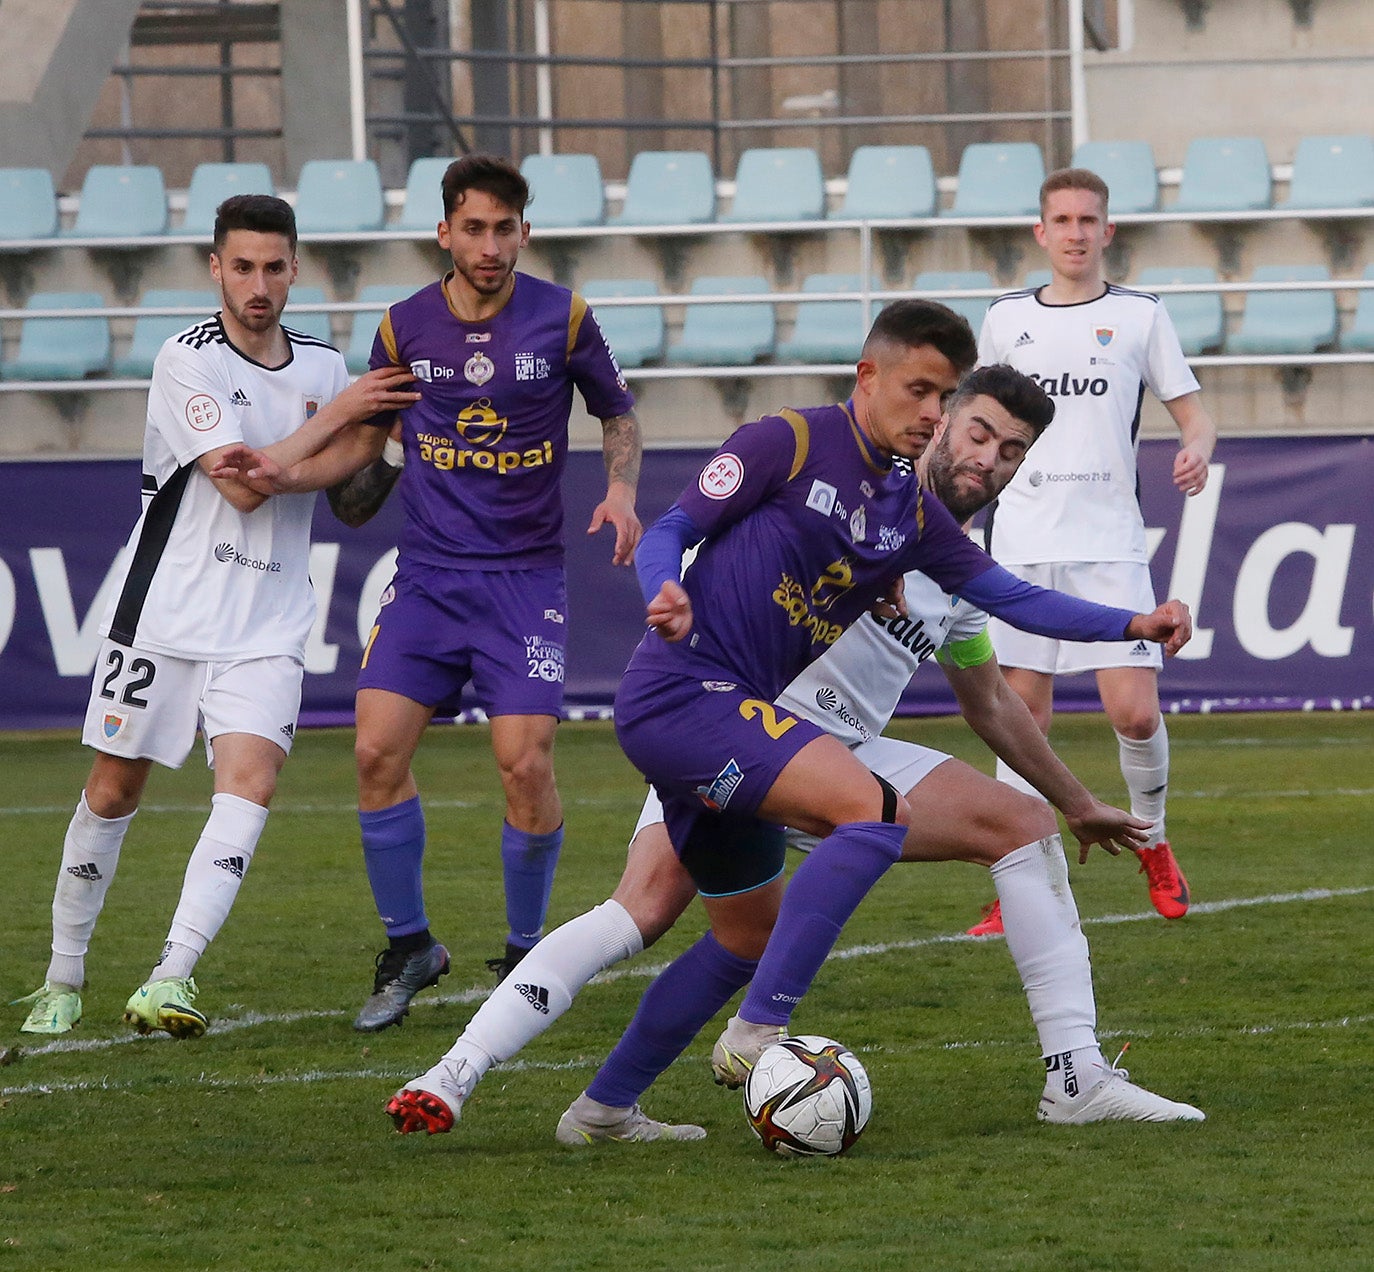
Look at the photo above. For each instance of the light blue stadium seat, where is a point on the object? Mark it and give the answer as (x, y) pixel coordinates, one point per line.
(424, 205)
(28, 204)
(1037, 278)
(211, 184)
(314, 323)
(669, 187)
(1198, 317)
(728, 335)
(997, 179)
(826, 330)
(1360, 337)
(778, 184)
(122, 201)
(1225, 174)
(1128, 168)
(889, 182)
(340, 196)
(942, 280)
(635, 333)
(565, 190)
(151, 331)
(60, 348)
(1333, 172)
(1286, 322)
(366, 321)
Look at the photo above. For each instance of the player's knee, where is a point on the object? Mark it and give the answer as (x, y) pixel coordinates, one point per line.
(1021, 820)
(114, 789)
(1137, 723)
(528, 775)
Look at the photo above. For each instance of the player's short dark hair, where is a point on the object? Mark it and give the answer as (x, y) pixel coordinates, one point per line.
(1073, 179)
(491, 174)
(1020, 396)
(909, 323)
(264, 213)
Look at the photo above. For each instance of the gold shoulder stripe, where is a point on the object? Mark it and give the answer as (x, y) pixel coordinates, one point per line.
(801, 431)
(388, 337)
(920, 512)
(576, 313)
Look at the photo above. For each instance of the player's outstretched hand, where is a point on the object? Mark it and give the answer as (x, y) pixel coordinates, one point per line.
(1111, 829)
(1170, 625)
(618, 508)
(377, 393)
(1190, 470)
(253, 468)
(670, 612)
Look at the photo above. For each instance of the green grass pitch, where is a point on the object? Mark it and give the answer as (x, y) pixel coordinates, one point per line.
(263, 1146)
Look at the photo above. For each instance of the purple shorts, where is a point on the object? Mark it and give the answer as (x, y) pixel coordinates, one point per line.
(713, 752)
(438, 629)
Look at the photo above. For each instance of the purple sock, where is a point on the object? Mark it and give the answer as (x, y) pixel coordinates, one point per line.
(682, 998)
(528, 862)
(824, 892)
(393, 851)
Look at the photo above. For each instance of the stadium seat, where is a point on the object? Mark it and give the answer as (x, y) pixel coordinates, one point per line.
(424, 205)
(888, 183)
(211, 184)
(999, 180)
(635, 334)
(669, 187)
(339, 196)
(121, 201)
(1333, 172)
(60, 348)
(1128, 168)
(1037, 278)
(1224, 174)
(565, 190)
(729, 335)
(366, 321)
(826, 330)
(316, 322)
(1286, 321)
(151, 331)
(28, 204)
(1198, 317)
(948, 280)
(778, 184)
(1360, 337)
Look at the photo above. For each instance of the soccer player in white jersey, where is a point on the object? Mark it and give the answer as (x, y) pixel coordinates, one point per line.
(208, 626)
(852, 691)
(1071, 517)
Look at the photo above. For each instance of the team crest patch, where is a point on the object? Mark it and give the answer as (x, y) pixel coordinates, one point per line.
(202, 412)
(717, 795)
(111, 725)
(478, 369)
(722, 477)
(311, 406)
(1104, 335)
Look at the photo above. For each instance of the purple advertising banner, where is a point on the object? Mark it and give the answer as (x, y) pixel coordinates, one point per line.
(1276, 559)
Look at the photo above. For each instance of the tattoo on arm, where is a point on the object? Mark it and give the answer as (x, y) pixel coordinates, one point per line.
(621, 448)
(357, 499)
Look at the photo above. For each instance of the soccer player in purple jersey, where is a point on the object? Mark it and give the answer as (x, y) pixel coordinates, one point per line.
(802, 520)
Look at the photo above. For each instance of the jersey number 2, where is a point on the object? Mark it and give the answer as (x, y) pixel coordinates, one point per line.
(767, 714)
(140, 669)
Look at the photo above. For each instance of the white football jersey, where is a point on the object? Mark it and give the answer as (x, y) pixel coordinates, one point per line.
(852, 689)
(1076, 497)
(203, 580)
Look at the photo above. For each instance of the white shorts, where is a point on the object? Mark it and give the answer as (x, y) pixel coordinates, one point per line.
(1123, 583)
(903, 764)
(148, 706)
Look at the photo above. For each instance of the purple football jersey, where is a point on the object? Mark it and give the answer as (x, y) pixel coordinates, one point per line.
(805, 523)
(487, 442)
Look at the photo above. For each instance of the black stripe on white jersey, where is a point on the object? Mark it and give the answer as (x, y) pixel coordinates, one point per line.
(158, 520)
(211, 331)
(302, 338)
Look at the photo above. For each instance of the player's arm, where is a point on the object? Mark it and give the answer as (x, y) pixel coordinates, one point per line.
(356, 500)
(996, 713)
(621, 447)
(1197, 441)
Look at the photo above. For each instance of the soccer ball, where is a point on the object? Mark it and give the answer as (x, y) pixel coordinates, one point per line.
(808, 1097)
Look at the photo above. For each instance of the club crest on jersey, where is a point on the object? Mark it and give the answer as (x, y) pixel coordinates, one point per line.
(719, 686)
(478, 369)
(822, 497)
(202, 412)
(111, 725)
(721, 477)
(311, 406)
(716, 795)
(858, 524)
(1104, 335)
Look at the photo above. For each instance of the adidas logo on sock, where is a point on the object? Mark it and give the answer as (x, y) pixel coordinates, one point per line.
(88, 872)
(1022, 340)
(234, 865)
(536, 995)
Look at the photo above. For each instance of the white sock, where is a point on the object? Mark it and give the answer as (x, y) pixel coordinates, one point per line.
(1009, 776)
(545, 983)
(213, 875)
(90, 854)
(1145, 766)
(1075, 1072)
(1047, 944)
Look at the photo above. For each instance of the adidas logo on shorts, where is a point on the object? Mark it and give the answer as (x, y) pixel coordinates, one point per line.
(88, 872)
(234, 865)
(536, 995)
(288, 730)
